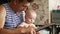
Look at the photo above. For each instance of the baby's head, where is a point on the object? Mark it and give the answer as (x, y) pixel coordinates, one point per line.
(30, 16)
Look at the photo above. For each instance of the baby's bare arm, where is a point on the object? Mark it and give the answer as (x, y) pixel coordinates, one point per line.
(23, 24)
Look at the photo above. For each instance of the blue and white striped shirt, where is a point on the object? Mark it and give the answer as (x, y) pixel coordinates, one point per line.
(12, 19)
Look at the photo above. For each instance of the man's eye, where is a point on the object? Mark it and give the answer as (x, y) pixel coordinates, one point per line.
(21, 0)
(30, 0)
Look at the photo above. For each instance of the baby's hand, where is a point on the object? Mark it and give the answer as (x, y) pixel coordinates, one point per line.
(22, 26)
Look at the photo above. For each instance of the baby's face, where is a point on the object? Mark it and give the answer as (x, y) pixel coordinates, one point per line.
(30, 16)
(30, 19)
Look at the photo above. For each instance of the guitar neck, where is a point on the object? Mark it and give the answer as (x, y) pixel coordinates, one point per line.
(40, 28)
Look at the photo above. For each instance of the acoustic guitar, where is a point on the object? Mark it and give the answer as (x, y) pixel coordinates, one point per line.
(44, 26)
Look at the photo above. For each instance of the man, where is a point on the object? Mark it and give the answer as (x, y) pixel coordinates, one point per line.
(13, 13)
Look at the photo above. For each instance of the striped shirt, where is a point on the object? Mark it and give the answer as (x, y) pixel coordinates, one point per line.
(12, 19)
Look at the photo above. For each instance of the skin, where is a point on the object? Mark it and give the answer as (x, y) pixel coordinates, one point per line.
(2, 16)
(30, 16)
(17, 6)
(30, 19)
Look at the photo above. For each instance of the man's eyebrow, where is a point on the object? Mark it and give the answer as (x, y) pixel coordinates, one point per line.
(27, 0)
(30, 0)
(20, 0)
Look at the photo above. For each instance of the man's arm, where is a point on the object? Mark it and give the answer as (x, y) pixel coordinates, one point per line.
(2, 16)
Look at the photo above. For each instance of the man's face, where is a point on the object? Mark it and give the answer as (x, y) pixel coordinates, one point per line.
(22, 4)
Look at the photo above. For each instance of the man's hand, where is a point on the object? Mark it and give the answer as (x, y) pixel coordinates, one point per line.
(0, 28)
(38, 32)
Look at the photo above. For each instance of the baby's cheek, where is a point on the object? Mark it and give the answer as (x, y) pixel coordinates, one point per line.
(33, 21)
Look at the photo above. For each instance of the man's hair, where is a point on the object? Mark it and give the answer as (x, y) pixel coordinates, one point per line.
(30, 0)
(4, 1)
(27, 0)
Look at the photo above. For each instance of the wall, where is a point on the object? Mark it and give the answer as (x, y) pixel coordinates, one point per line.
(42, 10)
(53, 4)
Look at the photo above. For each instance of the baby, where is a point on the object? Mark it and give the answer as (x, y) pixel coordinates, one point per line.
(29, 20)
